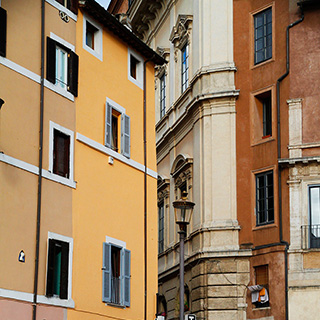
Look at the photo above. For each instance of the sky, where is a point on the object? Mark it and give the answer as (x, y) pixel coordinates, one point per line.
(104, 3)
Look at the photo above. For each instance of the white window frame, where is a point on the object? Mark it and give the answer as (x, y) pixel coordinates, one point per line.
(185, 70)
(62, 8)
(59, 237)
(52, 127)
(61, 70)
(139, 71)
(97, 51)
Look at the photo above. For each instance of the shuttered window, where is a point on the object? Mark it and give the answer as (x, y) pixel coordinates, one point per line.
(113, 117)
(57, 270)
(116, 274)
(3, 32)
(62, 66)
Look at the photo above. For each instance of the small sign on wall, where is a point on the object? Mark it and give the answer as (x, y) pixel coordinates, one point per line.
(190, 317)
(22, 257)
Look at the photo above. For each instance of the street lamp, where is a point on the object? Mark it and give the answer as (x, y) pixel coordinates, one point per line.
(183, 209)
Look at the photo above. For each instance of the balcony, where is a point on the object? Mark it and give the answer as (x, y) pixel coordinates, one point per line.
(310, 236)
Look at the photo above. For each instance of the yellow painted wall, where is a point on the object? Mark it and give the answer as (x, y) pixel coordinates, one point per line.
(109, 199)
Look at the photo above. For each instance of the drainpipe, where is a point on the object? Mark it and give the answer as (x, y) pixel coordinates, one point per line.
(145, 185)
(279, 157)
(36, 268)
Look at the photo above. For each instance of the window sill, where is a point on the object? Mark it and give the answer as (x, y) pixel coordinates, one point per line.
(60, 7)
(58, 90)
(260, 309)
(115, 305)
(95, 53)
(262, 141)
(68, 303)
(265, 226)
(263, 63)
(55, 177)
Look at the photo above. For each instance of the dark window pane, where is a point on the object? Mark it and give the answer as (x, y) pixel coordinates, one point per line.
(61, 154)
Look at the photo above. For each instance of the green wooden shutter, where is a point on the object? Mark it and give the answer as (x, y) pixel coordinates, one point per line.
(64, 270)
(51, 60)
(3, 32)
(108, 125)
(50, 266)
(125, 135)
(73, 73)
(106, 273)
(126, 276)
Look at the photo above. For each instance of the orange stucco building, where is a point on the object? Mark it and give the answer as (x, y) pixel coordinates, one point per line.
(77, 164)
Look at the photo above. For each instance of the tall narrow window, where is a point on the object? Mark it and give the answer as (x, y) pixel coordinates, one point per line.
(262, 279)
(161, 227)
(267, 116)
(61, 154)
(314, 208)
(116, 274)
(90, 35)
(162, 96)
(185, 67)
(3, 32)
(133, 66)
(57, 270)
(264, 198)
(263, 36)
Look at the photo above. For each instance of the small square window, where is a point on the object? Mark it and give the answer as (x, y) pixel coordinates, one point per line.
(264, 198)
(92, 37)
(135, 68)
(263, 36)
(91, 32)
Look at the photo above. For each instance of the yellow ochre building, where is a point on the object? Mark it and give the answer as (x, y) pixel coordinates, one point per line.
(78, 212)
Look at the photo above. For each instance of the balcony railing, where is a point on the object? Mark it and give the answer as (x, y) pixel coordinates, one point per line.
(115, 290)
(310, 236)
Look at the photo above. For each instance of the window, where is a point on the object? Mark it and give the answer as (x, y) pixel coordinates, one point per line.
(314, 209)
(262, 279)
(92, 37)
(116, 274)
(162, 96)
(62, 66)
(135, 68)
(61, 151)
(185, 67)
(264, 198)
(262, 116)
(263, 36)
(70, 4)
(161, 227)
(3, 32)
(59, 266)
(115, 113)
(267, 116)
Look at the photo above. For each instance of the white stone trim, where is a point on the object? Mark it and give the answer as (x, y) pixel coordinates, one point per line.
(116, 242)
(62, 41)
(98, 146)
(28, 297)
(98, 52)
(68, 132)
(116, 106)
(59, 237)
(139, 80)
(36, 78)
(35, 170)
(60, 7)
